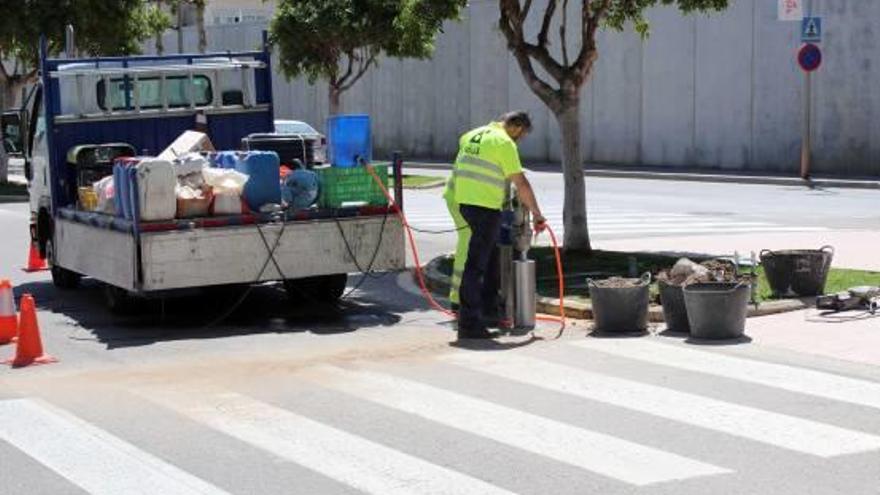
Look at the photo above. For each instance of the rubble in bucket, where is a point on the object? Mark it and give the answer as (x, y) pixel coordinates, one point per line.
(617, 283)
(686, 272)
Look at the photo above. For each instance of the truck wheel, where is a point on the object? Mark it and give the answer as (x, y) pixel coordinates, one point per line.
(326, 288)
(61, 277)
(118, 301)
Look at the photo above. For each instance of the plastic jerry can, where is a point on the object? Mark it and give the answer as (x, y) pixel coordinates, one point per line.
(156, 194)
(263, 169)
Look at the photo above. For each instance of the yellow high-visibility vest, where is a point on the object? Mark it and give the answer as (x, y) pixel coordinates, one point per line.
(487, 157)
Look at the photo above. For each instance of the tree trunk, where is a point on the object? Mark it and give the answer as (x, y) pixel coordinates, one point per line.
(160, 43)
(577, 237)
(9, 87)
(335, 100)
(200, 22)
(4, 166)
(180, 27)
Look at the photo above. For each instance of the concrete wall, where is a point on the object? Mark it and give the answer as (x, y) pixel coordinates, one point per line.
(715, 92)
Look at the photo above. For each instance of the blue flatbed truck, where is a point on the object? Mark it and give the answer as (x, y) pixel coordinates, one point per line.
(84, 112)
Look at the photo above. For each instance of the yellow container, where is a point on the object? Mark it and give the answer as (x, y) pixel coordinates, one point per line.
(88, 199)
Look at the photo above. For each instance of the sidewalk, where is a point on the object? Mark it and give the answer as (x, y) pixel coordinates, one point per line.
(666, 173)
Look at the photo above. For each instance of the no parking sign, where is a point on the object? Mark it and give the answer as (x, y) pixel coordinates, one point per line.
(810, 57)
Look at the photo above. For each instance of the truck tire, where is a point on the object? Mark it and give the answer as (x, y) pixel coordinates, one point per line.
(117, 300)
(61, 277)
(326, 288)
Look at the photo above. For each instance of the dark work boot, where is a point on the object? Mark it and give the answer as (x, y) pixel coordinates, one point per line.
(480, 332)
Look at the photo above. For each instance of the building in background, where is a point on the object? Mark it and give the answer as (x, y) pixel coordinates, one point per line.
(222, 12)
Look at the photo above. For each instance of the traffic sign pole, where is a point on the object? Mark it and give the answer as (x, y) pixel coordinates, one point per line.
(806, 142)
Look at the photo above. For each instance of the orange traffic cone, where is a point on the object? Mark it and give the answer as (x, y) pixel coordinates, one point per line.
(35, 262)
(8, 318)
(30, 347)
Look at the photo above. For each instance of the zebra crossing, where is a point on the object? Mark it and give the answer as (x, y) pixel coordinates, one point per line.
(614, 222)
(435, 400)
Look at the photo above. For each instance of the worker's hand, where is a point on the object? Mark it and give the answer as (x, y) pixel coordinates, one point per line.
(539, 223)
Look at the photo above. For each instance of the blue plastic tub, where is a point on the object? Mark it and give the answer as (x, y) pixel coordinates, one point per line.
(348, 140)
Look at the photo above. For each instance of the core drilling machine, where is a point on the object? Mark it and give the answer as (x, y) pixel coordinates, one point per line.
(517, 285)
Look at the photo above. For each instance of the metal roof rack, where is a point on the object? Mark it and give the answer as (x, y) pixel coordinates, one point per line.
(135, 73)
(157, 70)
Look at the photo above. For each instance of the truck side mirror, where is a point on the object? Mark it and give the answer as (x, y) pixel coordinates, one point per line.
(12, 126)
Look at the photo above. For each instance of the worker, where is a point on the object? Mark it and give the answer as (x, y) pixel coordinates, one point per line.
(487, 163)
(461, 246)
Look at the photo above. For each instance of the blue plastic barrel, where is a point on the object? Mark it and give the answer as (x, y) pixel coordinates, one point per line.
(131, 186)
(263, 169)
(348, 140)
(122, 194)
(117, 190)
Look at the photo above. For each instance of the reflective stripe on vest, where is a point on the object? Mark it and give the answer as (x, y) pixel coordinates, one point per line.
(479, 162)
(485, 179)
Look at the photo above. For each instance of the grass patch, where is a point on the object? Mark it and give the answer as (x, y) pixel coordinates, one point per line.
(839, 280)
(13, 189)
(411, 181)
(603, 264)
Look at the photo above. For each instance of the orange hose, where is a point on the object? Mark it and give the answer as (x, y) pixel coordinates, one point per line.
(561, 318)
(420, 276)
(412, 242)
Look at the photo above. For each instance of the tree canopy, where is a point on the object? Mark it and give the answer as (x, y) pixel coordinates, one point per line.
(341, 39)
(103, 27)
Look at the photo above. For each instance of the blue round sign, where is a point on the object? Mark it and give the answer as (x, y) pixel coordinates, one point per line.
(810, 57)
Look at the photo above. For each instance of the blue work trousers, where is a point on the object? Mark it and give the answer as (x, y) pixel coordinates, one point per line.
(479, 283)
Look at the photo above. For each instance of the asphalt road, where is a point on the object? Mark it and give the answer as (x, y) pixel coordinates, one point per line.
(372, 397)
(643, 209)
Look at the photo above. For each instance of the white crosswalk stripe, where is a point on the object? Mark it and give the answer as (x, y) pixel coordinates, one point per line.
(355, 461)
(780, 430)
(89, 457)
(99, 462)
(613, 457)
(800, 380)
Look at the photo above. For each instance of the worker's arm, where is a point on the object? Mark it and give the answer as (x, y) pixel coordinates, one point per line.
(527, 197)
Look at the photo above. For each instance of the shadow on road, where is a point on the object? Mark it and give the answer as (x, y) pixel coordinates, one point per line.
(215, 313)
(745, 339)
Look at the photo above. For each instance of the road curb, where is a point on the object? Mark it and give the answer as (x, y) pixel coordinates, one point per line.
(820, 183)
(734, 179)
(437, 281)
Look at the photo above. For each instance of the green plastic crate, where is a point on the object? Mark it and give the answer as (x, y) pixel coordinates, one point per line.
(355, 184)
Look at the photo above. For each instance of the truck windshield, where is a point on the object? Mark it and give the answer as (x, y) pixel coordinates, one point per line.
(150, 95)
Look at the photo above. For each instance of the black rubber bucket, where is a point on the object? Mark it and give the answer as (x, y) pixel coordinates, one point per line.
(620, 309)
(801, 272)
(717, 310)
(674, 310)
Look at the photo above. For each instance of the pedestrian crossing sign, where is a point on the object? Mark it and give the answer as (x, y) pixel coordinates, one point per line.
(811, 29)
